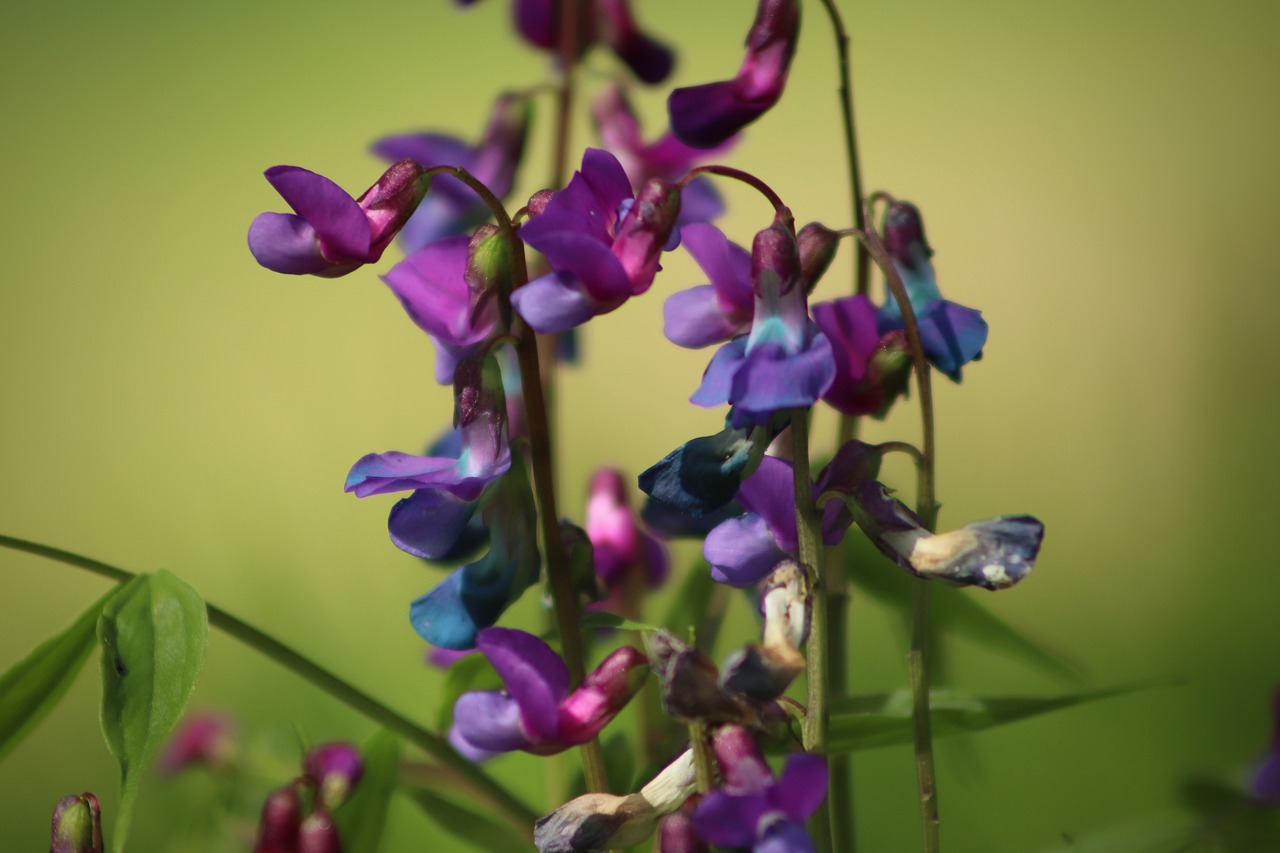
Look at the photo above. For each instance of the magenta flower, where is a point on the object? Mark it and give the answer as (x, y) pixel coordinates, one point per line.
(335, 769)
(204, 737)
(751, 809)
(667, 157)
(711, 313)
(872, 369)
(707, 115)
(330, 233)
(602, 244)
(620, 544)
(537, 713)
(785, 361)
(452, 207)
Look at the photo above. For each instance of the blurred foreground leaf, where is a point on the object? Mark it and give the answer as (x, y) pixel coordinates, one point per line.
(362, 819)
(34, 685)
(473, 672)
(466, 821)
(601, 619)
(153, 632)
(884, 719)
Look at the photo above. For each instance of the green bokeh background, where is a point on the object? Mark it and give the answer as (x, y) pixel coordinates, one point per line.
(1100, 178)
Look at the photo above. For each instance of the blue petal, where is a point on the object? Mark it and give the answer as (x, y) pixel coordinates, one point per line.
(702, 475)
(718, 378)
(472, 598)
(952, 336)
(429, 522)
(770, 380)
(783, 836)
(488, 722)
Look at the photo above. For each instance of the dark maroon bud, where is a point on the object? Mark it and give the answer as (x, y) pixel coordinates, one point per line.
(281, 816)
(818, 245)
(319, 834)
(904, 234)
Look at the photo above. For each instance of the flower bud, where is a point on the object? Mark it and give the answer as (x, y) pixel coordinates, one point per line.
(489, 266)
(604, 692)
(904, 235)
(336, 769)
(818, 245)
(319, 834)
(689, 681)
(390, 202)
(785, 605)
(281, 816)
(742, 764)
(77, 825)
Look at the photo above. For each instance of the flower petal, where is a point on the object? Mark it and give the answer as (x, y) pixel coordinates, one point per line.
(488, 721)
(285, 243)
(770, 379)
(431, 285)
(554, 303)
(429, 522)
(726, 820)
(742, 550)
(717, 380)
(692, 318)
(381, 473)
(535, 677)
(801, 788)
(952, 336)
(342, 226)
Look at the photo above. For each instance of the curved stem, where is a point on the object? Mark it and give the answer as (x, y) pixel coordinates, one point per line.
(817, 651)
(477, 186)
(903, 447)
(516, 813)
(737, 175)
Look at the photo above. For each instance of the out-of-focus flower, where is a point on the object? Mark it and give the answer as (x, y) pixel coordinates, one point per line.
(952, 335)
(676, 833)
(621, 547)
(318, 833)
(204, 737)
(281, 819)
(705, 116)
(330, 233)
(601, 243)
(77, 825)
(537, 712)
(335, 768)
(1264, 782)
(992, 554)
(593, 823)
(452, 208)
(785, 361)
(872, 369)
(667, 157)
(753, 810)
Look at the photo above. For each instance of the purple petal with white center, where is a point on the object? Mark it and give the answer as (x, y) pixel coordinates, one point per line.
(554, 303)
(801, 788)
(726, 820)
(742, 550)
(285, 243)
(534, 675)
(489, 721)
(952, 336)
(341, 225)
(770, 380)
(717, 380)
(428, 522)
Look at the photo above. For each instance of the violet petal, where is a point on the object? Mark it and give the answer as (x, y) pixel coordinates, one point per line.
(534, 675)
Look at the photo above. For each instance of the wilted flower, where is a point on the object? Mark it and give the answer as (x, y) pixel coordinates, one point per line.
(537, 712)
(702, 475)
(763, 671)
(330, 233)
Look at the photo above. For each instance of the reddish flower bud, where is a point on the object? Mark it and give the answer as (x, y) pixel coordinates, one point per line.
(77, 825)
(335, 768)
(818, 245)
(319, 834)
(281, 816)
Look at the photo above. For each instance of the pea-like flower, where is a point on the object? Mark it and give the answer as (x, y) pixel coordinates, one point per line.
(707, 115)
(752, 809)
(952, 335)
(622, 548)
(453, 208)
(602, 244)
(203, 738)
(335, 770)
(329, 233)
(537, 712)
(785, 361)
(872, 369)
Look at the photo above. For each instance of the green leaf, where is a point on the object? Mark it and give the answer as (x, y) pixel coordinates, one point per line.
(153, 632)
(362, 818)
(34, 685)
(868, 722)
(477, 828)
(954, 611)
(600, 619)
(473, 672)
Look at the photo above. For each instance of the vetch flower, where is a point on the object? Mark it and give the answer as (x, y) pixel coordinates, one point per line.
(280, 821)
(707, 115)
(951, 335)
(453, 208)
(77, 825)
(593, 823)
(537, 712)
(711, 313)
(689, 682)
(318, 833)
(872, 369)
(992, 554)
(753, 810)
(785, 361)
(667, 157)
(621, 547)
(602, 245)
(676, 833)
(204, 737)
(330, 233)
(335, 768)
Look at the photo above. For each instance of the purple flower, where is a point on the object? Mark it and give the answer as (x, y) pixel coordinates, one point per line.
(667, 158)
(784, 362)
(330, 233)
(745, 549)
(952, 335)
(992, 554)
(753, 810)
(872, 369)
(453, 208)
(602, 245)
(204, 737)
(537, 712)
(609, 21)
(707, 115)
(620, 545)
(335, 769)
(716, 312)
(1264, 782)
(281, 818)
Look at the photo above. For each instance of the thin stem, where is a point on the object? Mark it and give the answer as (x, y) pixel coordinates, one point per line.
(703, 761)
(927, 509)
(516, 813)
(843, 835)
(903, 447)
(737, 175)
(863, 267)
(818, 651)
(567, 47)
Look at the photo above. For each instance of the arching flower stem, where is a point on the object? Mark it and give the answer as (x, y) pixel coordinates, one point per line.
(737, 175)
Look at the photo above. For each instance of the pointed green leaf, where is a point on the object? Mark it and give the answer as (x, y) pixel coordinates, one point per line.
(34, 685)
(954, 611)
(466, 822)
(473, 672)
(362, 818)
(600, 619)
(153, 632)
(867, 722)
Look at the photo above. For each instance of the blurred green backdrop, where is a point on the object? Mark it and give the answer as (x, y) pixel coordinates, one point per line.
(1099, 178)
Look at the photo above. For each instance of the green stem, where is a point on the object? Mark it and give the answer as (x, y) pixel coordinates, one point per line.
(703, 761)
(516, 813)
(841, 786)
(863, 275)
(818, 651)
(737, 175)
